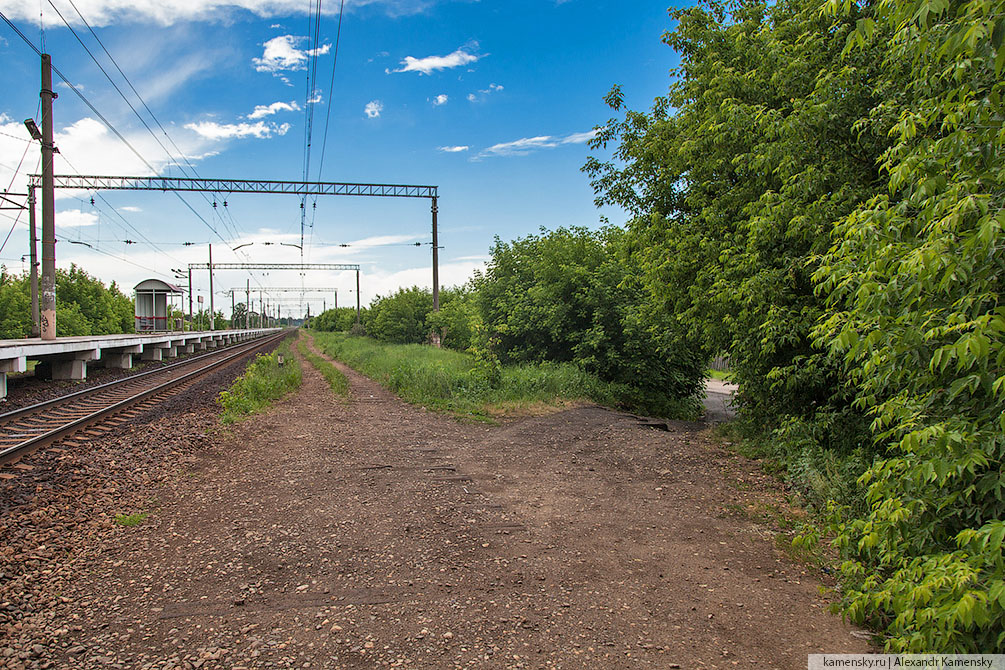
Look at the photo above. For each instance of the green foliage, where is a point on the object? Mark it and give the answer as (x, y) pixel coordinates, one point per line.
(15, 305)
(264, 382)
(401, 317)
(130, 520)
(915, 278)
(84, 306)
(571, 295)
(734, 179)
(820, 196)
(457, 321)
(449, 380)
(336, 320)
(338, 382)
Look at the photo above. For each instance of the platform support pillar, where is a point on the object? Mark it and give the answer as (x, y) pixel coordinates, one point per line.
(118, 361)
(152, 354)
(74, 369)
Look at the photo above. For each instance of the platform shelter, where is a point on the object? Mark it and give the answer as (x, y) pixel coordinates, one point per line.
(153, 302)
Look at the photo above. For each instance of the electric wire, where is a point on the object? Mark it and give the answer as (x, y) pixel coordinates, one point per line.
(20, 211)
(108, 124)
(170, 156)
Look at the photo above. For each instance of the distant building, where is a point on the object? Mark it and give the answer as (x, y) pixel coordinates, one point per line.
(153, 306)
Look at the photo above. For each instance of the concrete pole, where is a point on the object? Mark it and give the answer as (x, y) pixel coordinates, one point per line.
(47, 318)
(33, 244)
(212, 318)
(247, 305)
(191, 314)
(336, 300)
(231, 309)
(261, 310)
(357, 296)
(436, 261)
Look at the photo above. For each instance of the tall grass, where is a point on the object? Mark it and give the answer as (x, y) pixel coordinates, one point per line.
(448, 380)
(336, 380)
(264, 382)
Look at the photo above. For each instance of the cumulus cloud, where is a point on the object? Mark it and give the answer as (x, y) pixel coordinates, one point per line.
(261, 111)
(282, 53)
(431, 64)
(454, 150)
(221, 131)
(527, 145)
(441, 99)
(373, 109)
(130, 208)
(75, 218)
(92, 149)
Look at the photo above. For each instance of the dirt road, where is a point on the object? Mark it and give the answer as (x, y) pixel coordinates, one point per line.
(370, 533)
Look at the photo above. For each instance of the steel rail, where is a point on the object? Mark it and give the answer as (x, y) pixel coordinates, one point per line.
(77, 424)
(93, 390)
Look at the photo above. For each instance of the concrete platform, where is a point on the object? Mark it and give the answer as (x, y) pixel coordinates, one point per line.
(68, 357)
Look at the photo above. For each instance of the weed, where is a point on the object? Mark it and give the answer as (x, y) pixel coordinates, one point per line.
(130, 520)
(264, 382)
(454, 382)
(339, 382)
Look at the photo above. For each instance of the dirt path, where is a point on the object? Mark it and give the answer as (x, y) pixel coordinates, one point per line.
(370, 533)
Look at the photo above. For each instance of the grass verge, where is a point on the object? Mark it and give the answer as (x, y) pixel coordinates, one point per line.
(447, 380)
(338, 381)
(264, 382)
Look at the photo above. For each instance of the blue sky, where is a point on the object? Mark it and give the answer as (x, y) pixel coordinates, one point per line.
(492, 102)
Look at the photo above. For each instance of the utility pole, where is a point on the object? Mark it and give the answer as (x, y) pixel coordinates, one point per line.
(47, 318)
(33, 241)
(191, 315)
(212, 323)
(436, 262)
(231, 309)
(336, 300)
(247, 305)
(261, 310)
(357, 296)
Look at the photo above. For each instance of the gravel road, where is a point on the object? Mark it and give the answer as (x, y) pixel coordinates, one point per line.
(369, 533)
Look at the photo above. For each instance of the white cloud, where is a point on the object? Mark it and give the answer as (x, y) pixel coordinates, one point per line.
(220, 131)
(431, 64)
(281, 53)
(261, 111)
(482, 93)
(527, 145)
(130, 208)
(169, 12)
(580, 138)
(454, 150)
(74, 218)
(441, 99)
(91, 149)
(373, 109)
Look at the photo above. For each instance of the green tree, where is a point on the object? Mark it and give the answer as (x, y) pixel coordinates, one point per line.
(733, 181)
(15, 305)
(572, 295)
(915, 277)
(401, 317)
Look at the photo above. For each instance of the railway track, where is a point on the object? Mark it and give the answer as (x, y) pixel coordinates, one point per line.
(96, 410)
